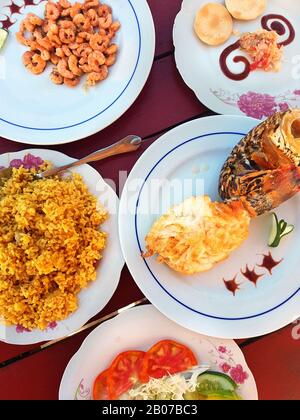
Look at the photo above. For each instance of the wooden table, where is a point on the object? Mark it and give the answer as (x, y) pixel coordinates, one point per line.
(164, 103)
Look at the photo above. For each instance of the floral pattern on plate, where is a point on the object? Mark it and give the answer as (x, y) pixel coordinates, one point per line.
(259, 105)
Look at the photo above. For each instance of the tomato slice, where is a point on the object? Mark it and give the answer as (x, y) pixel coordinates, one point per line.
(124, 372)
(100, 389)
(166, 357)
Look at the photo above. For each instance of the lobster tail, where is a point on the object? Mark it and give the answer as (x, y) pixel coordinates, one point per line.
(263, 191)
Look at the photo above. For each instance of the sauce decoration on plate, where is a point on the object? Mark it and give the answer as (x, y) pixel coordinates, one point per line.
(271, 22)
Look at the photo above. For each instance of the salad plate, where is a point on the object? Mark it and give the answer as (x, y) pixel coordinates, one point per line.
(144, 327)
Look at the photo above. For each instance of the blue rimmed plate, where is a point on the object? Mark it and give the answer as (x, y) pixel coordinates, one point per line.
(35, 111)
(184, 162)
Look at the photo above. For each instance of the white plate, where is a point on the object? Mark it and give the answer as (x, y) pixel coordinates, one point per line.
(144, 327)
(258, 96)
(35, 111)
(191, 157)
(92, 299)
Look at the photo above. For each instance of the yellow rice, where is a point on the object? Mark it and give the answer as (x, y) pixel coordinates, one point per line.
(50, 243)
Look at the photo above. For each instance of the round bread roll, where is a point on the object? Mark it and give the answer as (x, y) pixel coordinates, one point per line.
(246, 9)
(213, 24)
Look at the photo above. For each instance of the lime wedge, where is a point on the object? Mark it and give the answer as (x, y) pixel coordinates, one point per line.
(3, 37)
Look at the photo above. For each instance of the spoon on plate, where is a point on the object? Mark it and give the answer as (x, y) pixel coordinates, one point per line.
(127, 144)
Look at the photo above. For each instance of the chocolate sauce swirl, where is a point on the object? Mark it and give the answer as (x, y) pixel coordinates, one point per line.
(271, 22)
(277, 26)
(237, 59)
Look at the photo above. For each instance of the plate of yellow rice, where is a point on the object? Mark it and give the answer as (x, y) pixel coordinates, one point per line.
(58, 238)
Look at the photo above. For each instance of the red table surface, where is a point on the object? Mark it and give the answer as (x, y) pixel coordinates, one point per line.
(165, 102)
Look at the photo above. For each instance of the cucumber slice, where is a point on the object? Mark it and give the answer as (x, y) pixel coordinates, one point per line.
(282, 226)
(211, 383)
(278, 231)
(289, 229)
(221, 396)
(214, 386)
(3, 37)
(274, 234)
(229, 396)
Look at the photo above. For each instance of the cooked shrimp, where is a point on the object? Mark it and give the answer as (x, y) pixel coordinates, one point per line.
(65, 12)
(76, 38)
(52, 29)
(74, 45)
(56, 77)
(83, 64)
(112, 49)
(35, 46)
(93, 17)
(79, 19)
(65, 4)
(46, 25)
(112, 31)
(85, 35)
(73, 65)
(67, 24)
(110, 60)
(89, 4)
(96, 77)
(83, 48)
(66, 50)
(71, 82)
(79, 40)
(102, 32)
(60, 52)
(103, 10)
(56, 42)
(52, 34)
(52, 11)
(62, 68)
(34, 62)
(34, 19)
(38, 33)
(95, 60)
(54, 59)
(21, 38)
(75, 10)
(75, 52)
(115, 26)
(97, 42)
(66, 35)
(85, 67)
(45, 43)
(106, 21)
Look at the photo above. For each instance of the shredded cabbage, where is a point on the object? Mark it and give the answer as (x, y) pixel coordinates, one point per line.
(172, 387)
